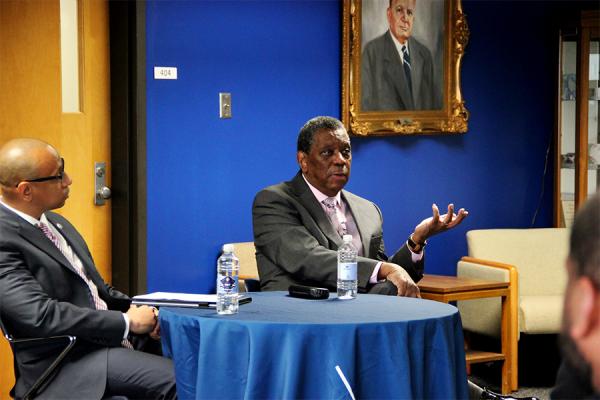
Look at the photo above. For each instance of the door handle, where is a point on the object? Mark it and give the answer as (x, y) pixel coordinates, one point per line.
(104, 192)
(101, 191)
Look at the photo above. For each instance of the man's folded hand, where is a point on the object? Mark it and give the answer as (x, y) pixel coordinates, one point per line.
(400, 278)
(142, 319)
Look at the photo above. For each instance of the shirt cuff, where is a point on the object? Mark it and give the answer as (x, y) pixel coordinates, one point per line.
(373, 278)
(416, 257)
(126, 318)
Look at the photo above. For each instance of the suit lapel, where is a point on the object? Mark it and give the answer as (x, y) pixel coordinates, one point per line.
(361, 220)
(416, 71)
(35, 236)
(310, 203)
(70, 236)
(395, 71)
(79, 248)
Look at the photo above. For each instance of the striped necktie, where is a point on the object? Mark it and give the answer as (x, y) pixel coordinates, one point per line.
(407, 66)
(347, 227)
(330, 209)
(98, 302)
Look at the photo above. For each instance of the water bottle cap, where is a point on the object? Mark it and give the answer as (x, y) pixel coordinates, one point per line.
(347, 238)
(228, 248)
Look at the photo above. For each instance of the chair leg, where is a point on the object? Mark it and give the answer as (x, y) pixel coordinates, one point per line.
(508, 337)
(504, 340)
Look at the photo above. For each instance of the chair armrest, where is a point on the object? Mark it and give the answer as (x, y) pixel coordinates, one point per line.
(472, 267)
(489, 263)
(492, 270)
(486, 269)
(249, 283)
(69, 343)
(252, 285)
(45, 340)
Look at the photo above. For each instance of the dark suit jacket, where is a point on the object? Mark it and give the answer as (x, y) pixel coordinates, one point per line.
(296, 243)
(383, 81)
(572, 383)
(42, 295)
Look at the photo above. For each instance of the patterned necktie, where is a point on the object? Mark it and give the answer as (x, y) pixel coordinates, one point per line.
(407, 66)
(330, 209)
(98, 302)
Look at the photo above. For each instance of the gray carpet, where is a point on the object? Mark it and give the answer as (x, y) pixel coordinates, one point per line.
(541, 392)
(539, 358)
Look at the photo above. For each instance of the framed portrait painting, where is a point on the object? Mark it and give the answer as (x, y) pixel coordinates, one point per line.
(401, 67)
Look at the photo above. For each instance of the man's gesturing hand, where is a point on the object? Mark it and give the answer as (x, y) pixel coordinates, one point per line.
(142, 319)
(438, 223)
(400, 278)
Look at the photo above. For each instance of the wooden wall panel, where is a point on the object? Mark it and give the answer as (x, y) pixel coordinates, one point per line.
(30, 104)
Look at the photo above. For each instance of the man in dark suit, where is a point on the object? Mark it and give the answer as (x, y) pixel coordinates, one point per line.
(579, 375)
(397, 70)
(297, 240)
(49, 286)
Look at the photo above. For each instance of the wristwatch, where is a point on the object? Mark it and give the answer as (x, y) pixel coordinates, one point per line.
(415, 247)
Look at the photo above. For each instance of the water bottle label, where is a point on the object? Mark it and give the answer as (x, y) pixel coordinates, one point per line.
(347, 271)
(227, 284)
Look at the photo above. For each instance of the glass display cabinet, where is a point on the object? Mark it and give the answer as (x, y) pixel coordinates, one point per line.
(577, 163)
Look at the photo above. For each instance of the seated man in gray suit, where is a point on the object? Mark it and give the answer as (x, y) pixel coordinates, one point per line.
(49, 286)
(297, 235)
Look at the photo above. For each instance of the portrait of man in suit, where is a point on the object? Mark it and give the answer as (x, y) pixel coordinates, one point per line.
(402, 55)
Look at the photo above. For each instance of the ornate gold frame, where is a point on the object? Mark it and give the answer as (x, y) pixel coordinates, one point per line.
(453, 116)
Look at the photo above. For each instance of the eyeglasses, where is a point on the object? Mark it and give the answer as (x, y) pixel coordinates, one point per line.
(61, 174)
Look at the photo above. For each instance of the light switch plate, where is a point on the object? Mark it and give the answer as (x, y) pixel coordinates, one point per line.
(225, 105)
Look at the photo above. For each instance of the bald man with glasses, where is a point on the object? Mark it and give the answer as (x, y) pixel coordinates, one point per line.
(59, 176)
(49, 286)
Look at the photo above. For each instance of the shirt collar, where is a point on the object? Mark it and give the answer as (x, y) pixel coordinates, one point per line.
(26, 217)
(399, 46)
(321, 196)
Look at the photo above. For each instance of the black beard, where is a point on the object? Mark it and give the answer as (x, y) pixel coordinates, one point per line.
(573, 357)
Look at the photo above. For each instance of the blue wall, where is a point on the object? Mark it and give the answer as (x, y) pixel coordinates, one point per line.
(281, 62)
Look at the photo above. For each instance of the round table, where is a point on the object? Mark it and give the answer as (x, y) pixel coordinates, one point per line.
(280, 347)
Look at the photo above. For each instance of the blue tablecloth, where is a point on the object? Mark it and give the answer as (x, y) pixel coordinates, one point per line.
(279, 347)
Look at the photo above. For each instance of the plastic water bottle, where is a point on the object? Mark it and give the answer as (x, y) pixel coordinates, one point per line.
(228, 268)
(347, 283)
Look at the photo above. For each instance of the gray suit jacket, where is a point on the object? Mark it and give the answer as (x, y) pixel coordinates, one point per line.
(41, 295)
(296, 243)
(383, 81)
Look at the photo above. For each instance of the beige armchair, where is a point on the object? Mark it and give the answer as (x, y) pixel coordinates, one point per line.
(532, 261)
(536, 258)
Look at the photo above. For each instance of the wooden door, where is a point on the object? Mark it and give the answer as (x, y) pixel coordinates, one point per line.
(31, 106)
